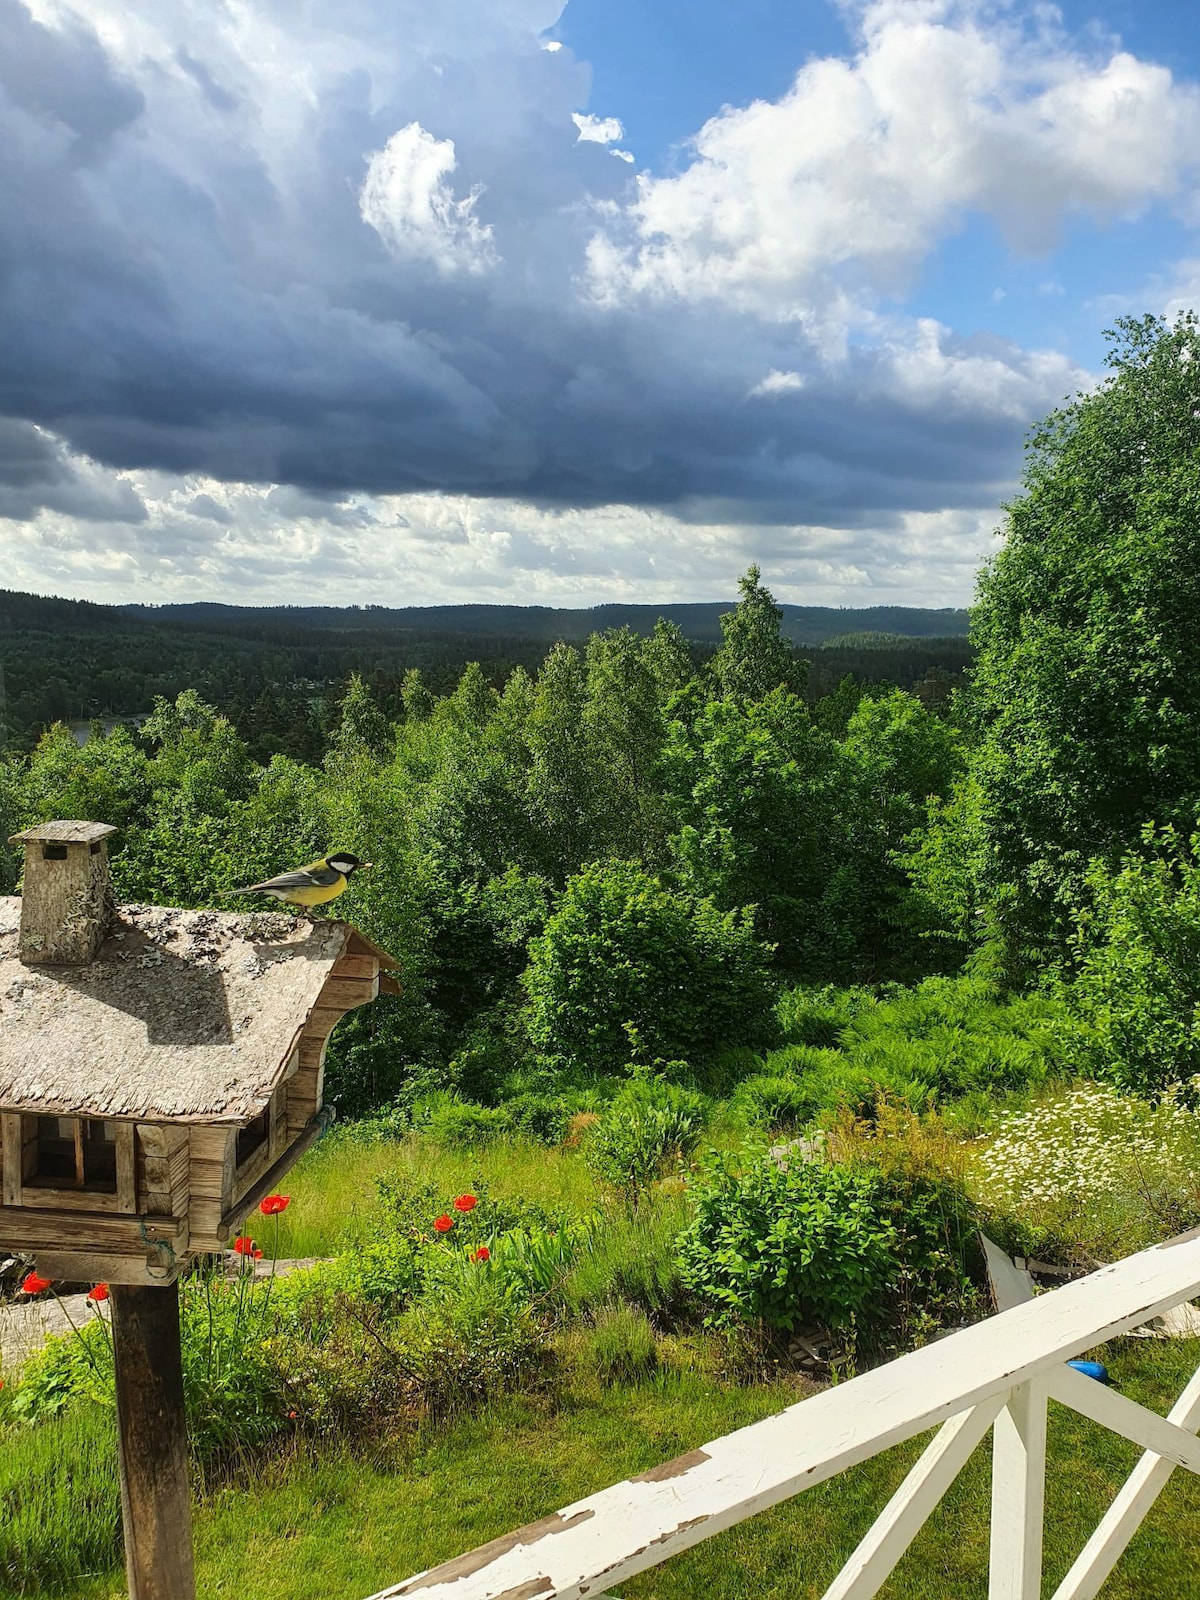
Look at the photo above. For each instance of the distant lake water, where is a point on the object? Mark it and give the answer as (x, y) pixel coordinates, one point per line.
(81, 730)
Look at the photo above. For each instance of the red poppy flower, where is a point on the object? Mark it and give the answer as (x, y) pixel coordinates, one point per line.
(274, 1204)
(444, 1223)
(291, 1416)
(482, 1254)
(243, 1245)
(256, 1253)
(100, 1292)
(33, 1284)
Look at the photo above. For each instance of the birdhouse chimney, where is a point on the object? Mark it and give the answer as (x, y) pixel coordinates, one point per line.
(67, 899)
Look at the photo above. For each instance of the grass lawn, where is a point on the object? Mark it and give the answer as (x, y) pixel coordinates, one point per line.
(343, 1527)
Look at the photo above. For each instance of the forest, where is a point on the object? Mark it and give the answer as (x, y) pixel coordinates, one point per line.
(659, 906)
(279, 673)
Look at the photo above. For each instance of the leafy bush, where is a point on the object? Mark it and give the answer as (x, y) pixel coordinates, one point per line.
(621, 948)
(544, 1117)
(648, 1128)
(1089, 1175)
(842, 1245)
(622, 1346)
(460, 1125)
(772, 1103)
(1138, 983)
(817, 1016)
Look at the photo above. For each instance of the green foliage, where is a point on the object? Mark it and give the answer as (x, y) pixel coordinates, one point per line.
(459, 1125)
(621, 948)
(645, 1131)
(60, 1501)
(1137, 950)
(755, 659)
(1087, 688)
(836, 1244)
(755, 790)
(773, 1103)
(1085, 1175)
(816, 1016)
(633, 1260)
(621, 1345)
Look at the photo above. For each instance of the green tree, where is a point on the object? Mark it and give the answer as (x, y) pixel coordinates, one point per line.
(754, 657)
(621, 949)
(361, 724)
(1138, 982)
(754, 789)
(1087, 688)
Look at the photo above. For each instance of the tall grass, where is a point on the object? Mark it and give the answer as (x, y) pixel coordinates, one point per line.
(334, 1196)
(60, 1501)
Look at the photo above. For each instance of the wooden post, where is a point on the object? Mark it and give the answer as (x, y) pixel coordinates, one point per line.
(155, 1506)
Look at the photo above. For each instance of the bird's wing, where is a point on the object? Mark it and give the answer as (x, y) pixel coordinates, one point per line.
(318, 874)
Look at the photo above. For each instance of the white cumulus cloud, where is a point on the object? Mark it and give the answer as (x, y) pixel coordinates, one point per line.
(846, 183)
(406, 197)
(597, 130)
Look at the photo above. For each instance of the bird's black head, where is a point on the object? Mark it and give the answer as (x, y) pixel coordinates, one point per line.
(342, 861)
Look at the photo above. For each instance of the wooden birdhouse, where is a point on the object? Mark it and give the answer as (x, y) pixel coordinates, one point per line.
(160, 1070)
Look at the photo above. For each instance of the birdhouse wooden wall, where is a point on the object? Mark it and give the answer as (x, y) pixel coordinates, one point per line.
(129, 1202)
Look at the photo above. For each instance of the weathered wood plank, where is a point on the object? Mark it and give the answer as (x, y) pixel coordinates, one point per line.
(65, 1266)
(350, 966)
(126, 1168)
(10, 1135)
(40, 1197)
(152, 1429)
(608, 1537)
(22, 1228)
(344, 994)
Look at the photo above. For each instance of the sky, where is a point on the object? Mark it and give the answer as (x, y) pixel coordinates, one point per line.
(425, 301)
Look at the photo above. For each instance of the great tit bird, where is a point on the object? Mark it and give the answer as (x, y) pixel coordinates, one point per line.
(312, 885)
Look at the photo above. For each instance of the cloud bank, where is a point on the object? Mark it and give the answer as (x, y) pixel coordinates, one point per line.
(374, 255)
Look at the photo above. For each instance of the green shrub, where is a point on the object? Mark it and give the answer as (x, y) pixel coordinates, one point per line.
(465, 1349)
(622, 949)
(60, 1501)
(460, 1125)
(645, 1131)
(621, 1345)
(772, 1103)
(1138, 985)
(845, 1246)
(542, 1117)
(816, 1016)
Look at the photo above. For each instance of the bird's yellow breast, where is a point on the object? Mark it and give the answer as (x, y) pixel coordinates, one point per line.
(318, 894)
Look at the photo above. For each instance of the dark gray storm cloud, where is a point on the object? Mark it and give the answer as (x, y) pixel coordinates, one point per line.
(359, 246)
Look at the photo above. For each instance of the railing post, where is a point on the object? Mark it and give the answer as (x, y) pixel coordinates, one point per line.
(1018, 1494)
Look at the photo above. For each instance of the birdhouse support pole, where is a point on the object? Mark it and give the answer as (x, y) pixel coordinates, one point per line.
(155, 1505)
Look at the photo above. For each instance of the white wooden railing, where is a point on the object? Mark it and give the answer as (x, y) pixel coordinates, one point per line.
(997, 1374)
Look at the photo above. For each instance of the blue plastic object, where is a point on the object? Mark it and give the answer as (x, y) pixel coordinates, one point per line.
(1091, 1369)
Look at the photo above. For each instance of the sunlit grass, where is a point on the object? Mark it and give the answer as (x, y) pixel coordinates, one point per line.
(333, 1186)
(343, 1527)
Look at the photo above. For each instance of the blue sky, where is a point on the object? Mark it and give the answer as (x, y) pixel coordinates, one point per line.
(436, 300)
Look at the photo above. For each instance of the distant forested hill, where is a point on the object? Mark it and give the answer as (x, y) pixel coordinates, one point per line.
(276, 671)
(809, 625)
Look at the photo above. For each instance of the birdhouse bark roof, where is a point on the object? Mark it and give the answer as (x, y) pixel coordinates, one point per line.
(185, 1016)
